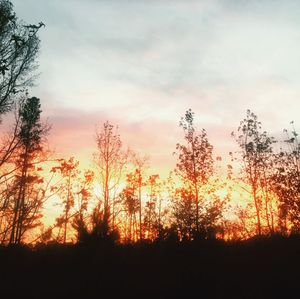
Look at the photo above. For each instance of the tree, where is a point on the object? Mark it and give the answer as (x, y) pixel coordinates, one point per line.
(83, 196)
(153, 208)
(184, 212)
(110, 160)
(69, 172)
(139, 163)
(195, 165)
(256, 150)
(19, 47)
(286, 183)
(26, 198)
(130, 201)
(9, 146)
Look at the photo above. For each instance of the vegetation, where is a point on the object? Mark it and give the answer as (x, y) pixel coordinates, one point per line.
(186, 225)
(19, 46)
(136, 206)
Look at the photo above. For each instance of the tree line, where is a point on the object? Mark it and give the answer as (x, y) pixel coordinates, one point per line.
(131, 205)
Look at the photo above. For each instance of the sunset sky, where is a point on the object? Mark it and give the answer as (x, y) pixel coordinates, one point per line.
(141, 64)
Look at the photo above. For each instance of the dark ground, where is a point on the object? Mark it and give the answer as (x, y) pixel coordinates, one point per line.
(260, 268)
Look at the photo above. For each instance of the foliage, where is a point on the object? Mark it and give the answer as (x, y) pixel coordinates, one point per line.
(257, 161)
(195, 167)
(27, 193)
(19, 47)
(286, 182)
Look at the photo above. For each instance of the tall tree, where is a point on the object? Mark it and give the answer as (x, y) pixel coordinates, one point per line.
(256, 151)
(110, 160)
(31, 135)
(286, 182)
(195, 165)
(19, 47)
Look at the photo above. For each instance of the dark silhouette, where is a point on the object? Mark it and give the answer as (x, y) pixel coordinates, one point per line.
(194, 168)
(110, 160)
(169, 269)
(26, 196)
(19, 47)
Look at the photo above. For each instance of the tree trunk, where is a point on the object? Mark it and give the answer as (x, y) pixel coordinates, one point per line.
(257, 210)
(67, 209)
(140, 204)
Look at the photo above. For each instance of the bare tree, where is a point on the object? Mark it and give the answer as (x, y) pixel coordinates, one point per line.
(110, 161)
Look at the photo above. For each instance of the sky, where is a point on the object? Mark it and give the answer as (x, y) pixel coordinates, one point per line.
(141, 64)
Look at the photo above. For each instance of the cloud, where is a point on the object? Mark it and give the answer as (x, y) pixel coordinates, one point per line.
(143, 63)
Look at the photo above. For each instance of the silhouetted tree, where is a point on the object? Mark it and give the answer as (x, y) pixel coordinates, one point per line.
(139, 163)
(130, 200)
(82, 197)
(195, 164)
(153, 209)
(69, 171)
(19, 47)
(27, 200)
(184, 213)
(286, 183)
(110, 160)
(8, 155)
(256, 149)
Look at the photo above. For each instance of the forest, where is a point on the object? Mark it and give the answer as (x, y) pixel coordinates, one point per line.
(196, 230)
